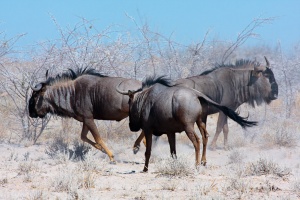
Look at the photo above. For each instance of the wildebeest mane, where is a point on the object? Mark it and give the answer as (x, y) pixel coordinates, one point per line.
(151, 80)
(70, 74)
(239, 64)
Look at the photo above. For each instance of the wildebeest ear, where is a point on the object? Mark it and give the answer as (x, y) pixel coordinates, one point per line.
(131, 94)
(44, 87)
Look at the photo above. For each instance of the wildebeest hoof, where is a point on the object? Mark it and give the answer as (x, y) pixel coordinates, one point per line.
(113, 162)
(227, 148)
(212, 147)
(136, 149)
(145, 170)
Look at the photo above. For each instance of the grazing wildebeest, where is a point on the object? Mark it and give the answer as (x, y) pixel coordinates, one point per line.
(160, 107)
(84, 95)
(231, 86)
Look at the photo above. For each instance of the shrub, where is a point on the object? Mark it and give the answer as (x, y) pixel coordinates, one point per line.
(60, 146)
(173, 167)
(265, 167)
(91, 162)
(66, 181)
(79, 150)
(236, 157)
(285, 138)
(57, 146)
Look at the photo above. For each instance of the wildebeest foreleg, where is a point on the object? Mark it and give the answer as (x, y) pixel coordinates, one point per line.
(90, 124)
(148, 137)
(172, 143)
(204, 133)
(221, 121)
(195, 140)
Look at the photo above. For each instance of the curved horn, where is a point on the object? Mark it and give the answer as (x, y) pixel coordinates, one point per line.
(37, 87)
(130, 92)
(122, 92)
(268, 63)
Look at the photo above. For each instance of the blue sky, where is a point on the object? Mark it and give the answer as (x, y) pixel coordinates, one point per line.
(187, 20)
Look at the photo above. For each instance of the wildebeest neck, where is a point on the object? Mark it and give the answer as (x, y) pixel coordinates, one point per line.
(61, 98)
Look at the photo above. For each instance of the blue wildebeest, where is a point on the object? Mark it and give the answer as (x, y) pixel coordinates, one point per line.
(232, 85)
(84, 95)
(160, 107)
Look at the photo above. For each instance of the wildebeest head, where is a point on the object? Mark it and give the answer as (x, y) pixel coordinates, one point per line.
(137, 97)
(38, 107)
(134, 111)
(263, 80)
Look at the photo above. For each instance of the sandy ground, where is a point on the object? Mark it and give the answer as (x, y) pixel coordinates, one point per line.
(29, 173)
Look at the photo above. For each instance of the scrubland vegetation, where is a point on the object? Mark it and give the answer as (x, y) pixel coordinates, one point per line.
(45, 159)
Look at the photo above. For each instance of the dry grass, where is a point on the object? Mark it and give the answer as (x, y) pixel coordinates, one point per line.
(266, 167)
(236, 157)
(282, 133)
(171, 167)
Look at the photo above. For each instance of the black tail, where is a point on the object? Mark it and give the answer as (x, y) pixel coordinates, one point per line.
(228, 112)
(235, 117)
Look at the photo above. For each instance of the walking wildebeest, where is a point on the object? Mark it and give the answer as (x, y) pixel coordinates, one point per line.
(84, 95)
(231, 86)
(160, 107)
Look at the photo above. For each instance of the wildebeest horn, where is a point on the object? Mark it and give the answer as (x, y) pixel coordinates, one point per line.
(130, 92)
(268, 63)
(37, 87)
(122, 92)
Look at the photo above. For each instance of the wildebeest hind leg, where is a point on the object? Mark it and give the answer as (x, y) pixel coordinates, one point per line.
(220, 124)
(195, 140)
(148, 137)
(204, 133)
(90, 124)
(172, 143)
(136, 146)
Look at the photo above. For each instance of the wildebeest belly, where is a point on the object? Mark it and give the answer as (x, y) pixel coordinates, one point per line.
(163, 126)
(109, 113)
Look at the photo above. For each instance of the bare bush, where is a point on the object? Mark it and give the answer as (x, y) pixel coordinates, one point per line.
(79, 150)
(16, 81)
(235, 157)
(28, 170)
(285, 138)
(57, 146)
(75, 151)
(241, 187)
(66, 181)
(174, 167)
(266, 167)
(204, 188)
(91, 162)
(281, 134)
(87, 180)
